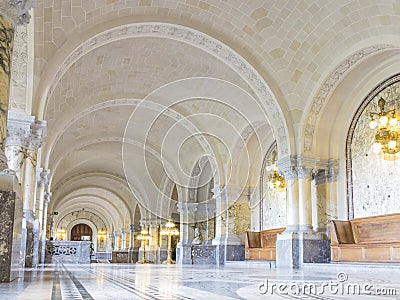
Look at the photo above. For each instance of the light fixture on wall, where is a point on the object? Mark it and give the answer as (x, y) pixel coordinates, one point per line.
(169, 230)
(387, 136)
(277, 181)
(61, 233)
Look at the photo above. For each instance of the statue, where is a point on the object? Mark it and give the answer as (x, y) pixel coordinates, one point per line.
(197, 237)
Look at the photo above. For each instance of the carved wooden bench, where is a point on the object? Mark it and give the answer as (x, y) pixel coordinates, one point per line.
(261, 245)
(372, 239)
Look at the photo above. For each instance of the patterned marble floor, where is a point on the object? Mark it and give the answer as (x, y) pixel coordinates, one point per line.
(232, 281)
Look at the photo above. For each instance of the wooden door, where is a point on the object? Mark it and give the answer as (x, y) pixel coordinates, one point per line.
(81, 232)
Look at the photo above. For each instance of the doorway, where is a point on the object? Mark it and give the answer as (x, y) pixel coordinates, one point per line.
(81, 232)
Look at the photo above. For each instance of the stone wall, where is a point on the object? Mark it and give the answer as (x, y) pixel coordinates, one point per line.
(375, 180)
(273, 208)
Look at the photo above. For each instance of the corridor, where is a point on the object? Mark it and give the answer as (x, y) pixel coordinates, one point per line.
(233, 281)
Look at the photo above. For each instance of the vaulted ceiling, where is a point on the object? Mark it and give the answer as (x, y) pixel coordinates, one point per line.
(136, 92)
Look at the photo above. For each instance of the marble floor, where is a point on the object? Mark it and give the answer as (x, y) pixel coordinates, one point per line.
(239, 280)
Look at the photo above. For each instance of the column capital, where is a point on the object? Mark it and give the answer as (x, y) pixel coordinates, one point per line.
(37, 135)
(333, 170)
(187, 207)
(24, 131)
(18, 128)
(298, 166)
(17, 10)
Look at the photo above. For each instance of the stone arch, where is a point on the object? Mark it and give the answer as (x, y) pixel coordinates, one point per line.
(338, 112)
(388, 87)
(87, 222)
(317, 104)
(185, 35)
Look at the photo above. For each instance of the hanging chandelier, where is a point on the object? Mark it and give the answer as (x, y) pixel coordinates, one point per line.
(387, 136)
(277, 181)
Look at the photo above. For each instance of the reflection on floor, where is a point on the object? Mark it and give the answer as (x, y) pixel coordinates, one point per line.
(234, 281)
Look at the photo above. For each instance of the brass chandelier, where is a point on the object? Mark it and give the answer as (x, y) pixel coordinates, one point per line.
(387, 136)
(277, 181)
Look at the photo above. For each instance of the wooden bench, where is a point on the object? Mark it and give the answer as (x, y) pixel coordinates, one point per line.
(261, 245)
(371, 239)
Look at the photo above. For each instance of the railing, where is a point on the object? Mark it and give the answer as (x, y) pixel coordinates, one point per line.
(74, 252)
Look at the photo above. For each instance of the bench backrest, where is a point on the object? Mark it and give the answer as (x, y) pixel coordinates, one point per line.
(375, 230)
(341, 232)
(370, 230)
(268, 237)
(262, 239)
(253, 239)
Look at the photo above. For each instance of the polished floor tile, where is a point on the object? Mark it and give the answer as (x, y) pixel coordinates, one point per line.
(233, 281)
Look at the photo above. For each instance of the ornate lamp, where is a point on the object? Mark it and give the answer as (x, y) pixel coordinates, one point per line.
(169, 230)
(277, 181)
(387, 136)
(101, 236)
(61, 233)
(144, 236)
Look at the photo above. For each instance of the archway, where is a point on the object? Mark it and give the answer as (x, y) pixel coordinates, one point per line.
(372, 179)
(81, 232)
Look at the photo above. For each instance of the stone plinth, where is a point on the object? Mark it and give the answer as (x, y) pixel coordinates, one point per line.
(70, 252)
(133, 255)
(293, 249)
(208, 254)
(120, 257)
(7, 206)
(234, 252)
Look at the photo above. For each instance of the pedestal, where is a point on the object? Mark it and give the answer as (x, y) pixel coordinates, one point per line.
(7, 208)
(208, 254)
(11, 260)
(120, 257)
(184, 254)
(294, 248)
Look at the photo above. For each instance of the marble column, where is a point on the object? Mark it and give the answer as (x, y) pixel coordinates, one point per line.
(299, 243)
(123, 237)
(42, 184)
(133, 251)
(305, 201)
(11, 14)
(116, 241)
(32, 144)
(46, 202)
(187, 219)
(326, 198)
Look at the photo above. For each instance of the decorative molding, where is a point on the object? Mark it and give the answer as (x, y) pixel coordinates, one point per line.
(17, 10)
(47, 198)
(197, 39)
(23, 131)
(19, 69)
(334, 78)
(43, 179)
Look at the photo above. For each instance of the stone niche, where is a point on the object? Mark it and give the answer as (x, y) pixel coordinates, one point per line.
(71, 252)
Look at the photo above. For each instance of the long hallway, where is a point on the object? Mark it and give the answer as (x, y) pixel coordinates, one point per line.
(233, 281)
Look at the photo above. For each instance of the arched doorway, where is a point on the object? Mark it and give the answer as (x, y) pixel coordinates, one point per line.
(81, 232)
